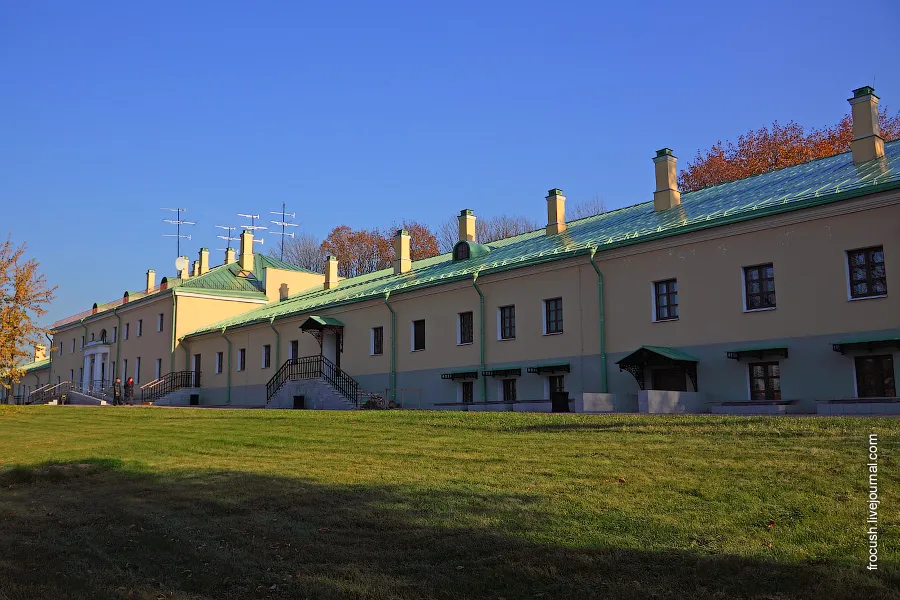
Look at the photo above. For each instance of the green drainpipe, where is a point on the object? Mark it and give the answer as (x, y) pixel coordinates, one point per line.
(481, 323)
(277, 343)
(603, 381)
(118, 344)
(174, 314)
(187, 354)
(393, 346)
(228, 372)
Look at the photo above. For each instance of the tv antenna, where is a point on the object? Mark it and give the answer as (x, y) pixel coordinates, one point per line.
(227, 237)
(177, 222)
(284, 223)
(253, 219)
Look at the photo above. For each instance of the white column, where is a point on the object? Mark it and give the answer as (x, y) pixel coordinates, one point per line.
(86, 372)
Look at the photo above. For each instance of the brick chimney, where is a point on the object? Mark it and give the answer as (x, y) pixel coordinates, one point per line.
(466, 225)
(229, 256)
(402, 263)
(246, 251)
(867, 142)
(204, 260)
(556, 212)
(331, 272)
(151, 280)
(666, 195)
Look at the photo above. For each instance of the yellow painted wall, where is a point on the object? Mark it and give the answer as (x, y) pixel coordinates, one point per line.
(296, 281)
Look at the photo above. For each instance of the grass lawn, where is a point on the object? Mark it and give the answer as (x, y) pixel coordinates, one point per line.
(180, 503)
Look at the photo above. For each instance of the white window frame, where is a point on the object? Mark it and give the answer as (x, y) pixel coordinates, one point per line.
(412, 336)
(459, 315)
(266, 349)
(500, 323)
(744, 292)
(544, 317)
(220, 361)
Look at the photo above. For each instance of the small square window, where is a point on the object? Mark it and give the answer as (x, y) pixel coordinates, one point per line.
(507, 316)
(759, 287)
(868, 277)
(666, 296)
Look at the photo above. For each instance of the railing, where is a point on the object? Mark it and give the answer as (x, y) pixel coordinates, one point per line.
(36, 394)
(314, 367)
(50, 392)
(168, 383)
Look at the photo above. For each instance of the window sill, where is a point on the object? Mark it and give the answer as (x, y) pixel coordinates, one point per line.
(382, 353)
(418, 350)
(464, 343)
(665, 320)
(753, 310)
(554, 333)
(867, 298)
(506, 339)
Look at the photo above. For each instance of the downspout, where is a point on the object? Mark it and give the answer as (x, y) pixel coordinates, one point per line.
(603, 381)
(481, 326)
(393, 346)
(228, 372)
(174, 314)
(187, 353)
(50, 372)
(118, 344)
(90, 375)
(277, 343)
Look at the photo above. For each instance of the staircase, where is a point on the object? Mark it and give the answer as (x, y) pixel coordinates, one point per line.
(162, 390)
(322, 384)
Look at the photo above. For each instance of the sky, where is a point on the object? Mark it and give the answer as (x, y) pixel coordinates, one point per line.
(369, 113)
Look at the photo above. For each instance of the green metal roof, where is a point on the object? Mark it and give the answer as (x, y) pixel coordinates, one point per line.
(868, 338)
(35, 365)
(323, 321)
(672, 353)
(762, 348)
(810, 184)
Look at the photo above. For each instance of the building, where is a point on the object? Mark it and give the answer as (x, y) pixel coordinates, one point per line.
(35, 375)
(772, 289)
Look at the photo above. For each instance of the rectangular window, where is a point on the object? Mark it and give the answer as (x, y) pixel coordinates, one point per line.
(159, 321)
(80, 374)
(765, 381)
(124, 368)
(666, 294)
(507, 316)
(82, 342)
(875, 376)
(73, 346)
(267, 356)
(377, 341)
(295, 349)
(158, 369)
(468, 391)
(72, 375)
(466, 330)
(418, 335)
(509, 390)
(219, 360)
(553, 316)
(115, 337)
(242, 359)
(557, 383)
(137, 369)
(759, 287)
(867, 274)
(140, 327)
(127, 330)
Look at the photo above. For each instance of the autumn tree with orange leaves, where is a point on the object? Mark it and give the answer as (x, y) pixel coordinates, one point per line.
(769, 148)
(23, 296)
(367, 250)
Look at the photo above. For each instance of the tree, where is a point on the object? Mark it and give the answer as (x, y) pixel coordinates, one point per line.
(765, 149)
(23, 296)
(587, 208)
(487, 230)
(368, 250)
(303, 250)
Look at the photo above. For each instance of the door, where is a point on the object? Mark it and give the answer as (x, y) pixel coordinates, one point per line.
(196, 370)
(330, 347)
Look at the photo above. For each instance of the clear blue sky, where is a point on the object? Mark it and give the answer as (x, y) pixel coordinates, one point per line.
(367, 113)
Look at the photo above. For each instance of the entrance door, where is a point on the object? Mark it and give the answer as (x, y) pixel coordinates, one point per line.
(669, 378)
(196, 370)
(330, 347)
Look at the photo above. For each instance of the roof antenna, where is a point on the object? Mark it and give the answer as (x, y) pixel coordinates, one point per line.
(253, 219)
(177, 222)
(284, 223)
(227, 237)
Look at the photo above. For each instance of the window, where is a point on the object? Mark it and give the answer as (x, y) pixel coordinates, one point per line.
(765, 381)
(127, 330)
(467, 390)
(377, 341)
(875, 376)
(137, 369)
(553, 316)
(666, 294)
(72, 375)
(159, 321)
(295, 349)
(509, 390)
(73, 346)
(115, 337)
(267, 356)
(124, 368)
(82, 341)
(140, 327)
(418, 335)
(461, 252)
(242, 359)
(557, 383)
(507, 322)
(158, 369)
(92, 337)
(759, 287)
(219, 357)
(867, 275)
(466, 328)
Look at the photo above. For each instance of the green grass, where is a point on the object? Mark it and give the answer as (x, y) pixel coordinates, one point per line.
(178, 503)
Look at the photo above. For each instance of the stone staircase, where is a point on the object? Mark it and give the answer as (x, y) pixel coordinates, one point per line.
(312, 382)
(317, 394)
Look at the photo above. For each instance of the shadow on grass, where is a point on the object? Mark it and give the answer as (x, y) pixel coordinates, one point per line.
(92, 529)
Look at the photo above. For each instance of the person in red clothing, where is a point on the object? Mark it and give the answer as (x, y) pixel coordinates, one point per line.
(129, 391)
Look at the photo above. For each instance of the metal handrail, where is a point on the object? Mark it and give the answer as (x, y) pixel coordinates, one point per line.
(314, 367)
(168, 383)
(49, 392)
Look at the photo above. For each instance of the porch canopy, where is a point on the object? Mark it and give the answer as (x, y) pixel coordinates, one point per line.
(658, 357)
(317, 327)
(867, 343)
(548, 369)
(758, 352)
(460, 375)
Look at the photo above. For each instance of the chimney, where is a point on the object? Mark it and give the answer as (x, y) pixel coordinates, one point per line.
(283, 292)
(151, 280)
(196, 269)
(867, 142)
(402, 264)
(331, 276)
(666, 194)
(556, 212)
(229, 256)
(184, 274)
(40, 352)
(204, 260)
(246, 251)
(466, 225)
